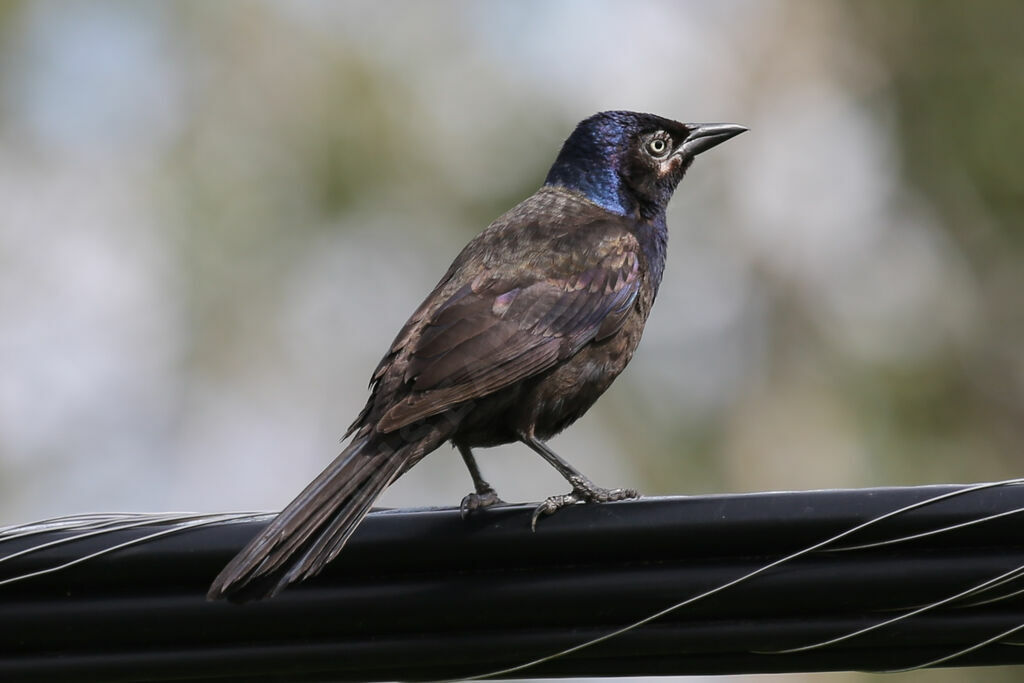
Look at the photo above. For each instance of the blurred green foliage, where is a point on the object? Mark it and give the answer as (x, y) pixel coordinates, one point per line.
(955, 87)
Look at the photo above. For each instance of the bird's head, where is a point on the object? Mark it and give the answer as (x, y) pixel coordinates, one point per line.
(631, 163)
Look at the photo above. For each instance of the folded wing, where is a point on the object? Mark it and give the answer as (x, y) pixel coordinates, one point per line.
(498, 330)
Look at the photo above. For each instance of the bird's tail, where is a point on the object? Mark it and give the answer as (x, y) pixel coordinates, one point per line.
(312, 529)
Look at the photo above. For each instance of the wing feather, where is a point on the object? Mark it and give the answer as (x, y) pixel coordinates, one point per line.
(500, 330)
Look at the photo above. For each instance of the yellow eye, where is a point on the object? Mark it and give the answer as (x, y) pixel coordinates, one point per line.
(657, 147)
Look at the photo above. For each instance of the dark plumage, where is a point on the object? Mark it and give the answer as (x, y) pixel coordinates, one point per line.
(532, 322)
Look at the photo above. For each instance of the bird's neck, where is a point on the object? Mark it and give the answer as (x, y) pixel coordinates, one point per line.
(653, 238)
(600, 184)
(604, 186)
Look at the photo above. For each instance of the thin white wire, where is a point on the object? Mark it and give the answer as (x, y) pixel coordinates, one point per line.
(958, 653)
(1016, 571)
(925, 534)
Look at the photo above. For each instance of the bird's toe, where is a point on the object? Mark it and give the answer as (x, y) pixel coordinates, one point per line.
(600, 495)
(479, 501)
(590, 492)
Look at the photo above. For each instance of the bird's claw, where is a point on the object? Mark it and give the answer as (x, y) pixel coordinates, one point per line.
(551, 506)
(478, 501)
(583, 491)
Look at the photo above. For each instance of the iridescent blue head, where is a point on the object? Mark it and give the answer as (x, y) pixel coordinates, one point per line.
(630, 163)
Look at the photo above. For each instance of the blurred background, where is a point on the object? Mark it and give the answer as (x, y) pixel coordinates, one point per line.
(215, 216)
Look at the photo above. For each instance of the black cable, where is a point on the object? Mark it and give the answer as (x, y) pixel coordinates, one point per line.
(425, 594)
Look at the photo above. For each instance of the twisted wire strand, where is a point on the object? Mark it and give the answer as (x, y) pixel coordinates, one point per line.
(92, 525)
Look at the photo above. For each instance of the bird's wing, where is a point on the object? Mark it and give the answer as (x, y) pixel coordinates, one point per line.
(505, 326)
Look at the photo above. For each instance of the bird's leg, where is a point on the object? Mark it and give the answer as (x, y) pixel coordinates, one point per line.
(583, 490)
(485, 495)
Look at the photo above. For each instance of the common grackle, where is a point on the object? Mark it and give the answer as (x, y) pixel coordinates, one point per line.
(532, 322)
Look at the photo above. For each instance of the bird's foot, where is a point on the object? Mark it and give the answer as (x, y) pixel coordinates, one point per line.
(479, 500)
(583, 491)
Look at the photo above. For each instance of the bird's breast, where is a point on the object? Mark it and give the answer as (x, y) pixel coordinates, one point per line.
(564, 394)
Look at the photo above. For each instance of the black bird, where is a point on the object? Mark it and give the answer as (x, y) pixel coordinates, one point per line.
(532, 322)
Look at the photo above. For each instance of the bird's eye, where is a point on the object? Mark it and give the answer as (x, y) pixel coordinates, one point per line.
(657, 147)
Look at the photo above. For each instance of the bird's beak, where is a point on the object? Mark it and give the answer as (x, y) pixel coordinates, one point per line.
(704, 136)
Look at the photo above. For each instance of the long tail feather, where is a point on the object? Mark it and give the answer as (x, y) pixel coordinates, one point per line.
(314, 527)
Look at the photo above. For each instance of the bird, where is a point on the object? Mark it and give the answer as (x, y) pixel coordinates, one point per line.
(532, 322)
